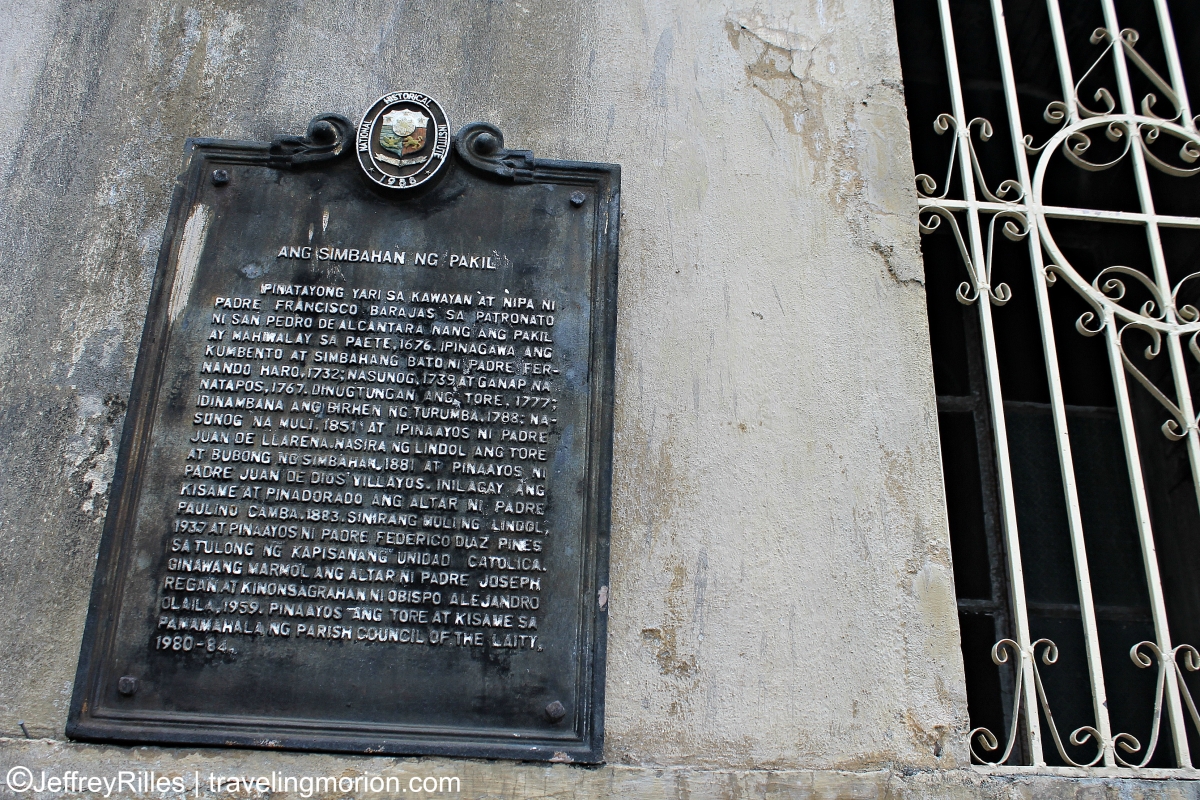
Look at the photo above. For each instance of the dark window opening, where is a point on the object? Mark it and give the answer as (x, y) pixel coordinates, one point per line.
(1119, 583)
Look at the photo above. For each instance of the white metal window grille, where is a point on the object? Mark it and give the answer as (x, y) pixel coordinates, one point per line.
(1116, 115)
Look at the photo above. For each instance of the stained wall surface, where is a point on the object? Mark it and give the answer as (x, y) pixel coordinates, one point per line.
(781, 586)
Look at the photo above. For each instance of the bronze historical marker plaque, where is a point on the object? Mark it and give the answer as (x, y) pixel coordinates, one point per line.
(362, 499)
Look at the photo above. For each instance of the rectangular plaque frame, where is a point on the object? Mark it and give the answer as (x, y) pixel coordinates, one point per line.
(124, 694)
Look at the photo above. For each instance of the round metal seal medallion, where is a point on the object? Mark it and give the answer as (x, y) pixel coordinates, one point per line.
(403, 140)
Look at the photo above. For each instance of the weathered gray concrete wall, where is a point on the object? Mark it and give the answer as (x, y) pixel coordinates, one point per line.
(781, 590)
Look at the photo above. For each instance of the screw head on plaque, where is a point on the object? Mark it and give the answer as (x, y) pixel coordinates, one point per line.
(403, 140)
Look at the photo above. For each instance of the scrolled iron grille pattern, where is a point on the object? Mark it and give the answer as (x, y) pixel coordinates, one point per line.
(1015, 208)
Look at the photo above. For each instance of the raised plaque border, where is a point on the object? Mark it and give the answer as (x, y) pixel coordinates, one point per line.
(480, 147)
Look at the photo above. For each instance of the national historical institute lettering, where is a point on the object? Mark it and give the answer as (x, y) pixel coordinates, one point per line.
(362, 498)
(403, 139)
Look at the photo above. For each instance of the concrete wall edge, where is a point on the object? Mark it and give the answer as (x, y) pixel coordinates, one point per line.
(509, 779)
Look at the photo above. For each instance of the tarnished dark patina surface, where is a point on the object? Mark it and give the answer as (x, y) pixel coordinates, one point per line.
(366, 522)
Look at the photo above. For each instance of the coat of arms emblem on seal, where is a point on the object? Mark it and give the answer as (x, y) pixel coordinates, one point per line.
(403, 140)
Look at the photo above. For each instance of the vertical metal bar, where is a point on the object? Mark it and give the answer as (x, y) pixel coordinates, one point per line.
(1173, 67)
(1083, 579)
(1141, 510)
(995, 396)
(1182, 390)
(985, 442)
(1064, 60)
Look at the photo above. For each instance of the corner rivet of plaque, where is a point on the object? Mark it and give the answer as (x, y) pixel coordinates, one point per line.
(486, 144)
(127, 685)
(220, 177)
(555, 711)
(577, 199)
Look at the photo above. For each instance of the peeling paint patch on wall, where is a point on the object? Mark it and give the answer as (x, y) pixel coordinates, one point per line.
(195, 233)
